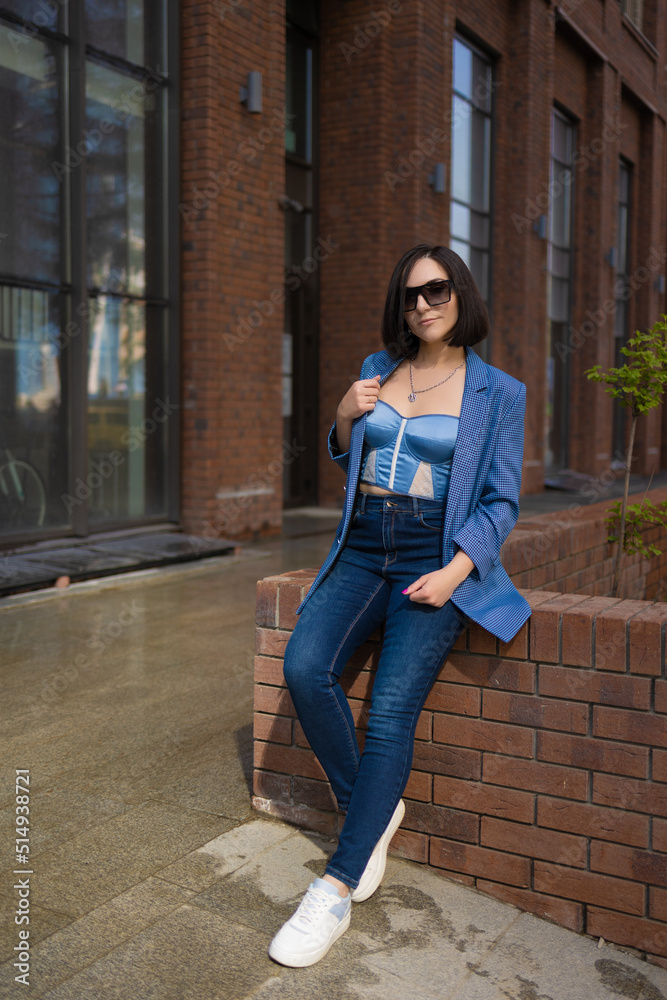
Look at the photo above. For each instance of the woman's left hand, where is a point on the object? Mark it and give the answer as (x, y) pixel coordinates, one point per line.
(433, 588)
(436, 588)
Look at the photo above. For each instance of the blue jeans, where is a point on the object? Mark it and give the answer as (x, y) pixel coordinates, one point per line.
(392, 542)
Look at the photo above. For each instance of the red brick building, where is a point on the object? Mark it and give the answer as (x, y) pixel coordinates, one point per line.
(233, 233)
(548, 121)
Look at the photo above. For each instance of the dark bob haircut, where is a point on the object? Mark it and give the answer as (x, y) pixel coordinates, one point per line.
(473, 322)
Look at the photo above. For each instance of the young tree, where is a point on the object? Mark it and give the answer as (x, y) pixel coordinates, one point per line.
(638, 386)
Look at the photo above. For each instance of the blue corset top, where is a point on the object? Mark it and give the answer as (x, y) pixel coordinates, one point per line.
(410, 455)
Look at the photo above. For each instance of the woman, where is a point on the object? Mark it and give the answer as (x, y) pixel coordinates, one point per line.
(431, 438)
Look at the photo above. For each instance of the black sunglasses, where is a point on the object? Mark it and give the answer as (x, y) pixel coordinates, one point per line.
(436, 293)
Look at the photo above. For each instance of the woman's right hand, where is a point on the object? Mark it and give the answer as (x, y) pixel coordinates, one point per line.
(360, 398)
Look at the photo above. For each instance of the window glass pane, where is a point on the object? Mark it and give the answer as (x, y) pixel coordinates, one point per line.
(30, 158)
(33, 431)
(40, 13)
(480, 161)
(120, 111)
(622, 266)
(481, 82)
(622, 246)
(304, 13)
(479, 268)
(472, 75)
(462, 68)
(559, 308)
(561, 139)
(129, 413)
(462, 249)
(299, 183)
(299, 96)
(460, 221)
(130, 29)
(621, 319)
(560, 218)
(559, 262)
(471, 163)
(479, 230)
(461, 150)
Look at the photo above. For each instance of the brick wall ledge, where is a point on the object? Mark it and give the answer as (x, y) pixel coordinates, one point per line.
(568, 551)
(540, 765)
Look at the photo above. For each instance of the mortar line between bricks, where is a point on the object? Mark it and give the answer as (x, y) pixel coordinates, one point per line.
(488, 951)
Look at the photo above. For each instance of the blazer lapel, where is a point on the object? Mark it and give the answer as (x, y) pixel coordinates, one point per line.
(472, 430)
(356, 450)
(359, 428)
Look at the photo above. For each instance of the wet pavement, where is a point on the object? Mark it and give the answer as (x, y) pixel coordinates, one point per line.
(129, 701)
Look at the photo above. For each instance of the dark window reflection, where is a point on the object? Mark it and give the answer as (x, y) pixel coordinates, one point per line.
(559, 267)
(299, 344)
(38, 13)
(33, 435)
(129, 412)
(30, 158)
(130, 29)
(299, 97)
(121, 119)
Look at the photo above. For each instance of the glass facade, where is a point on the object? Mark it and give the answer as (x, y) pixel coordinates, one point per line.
(34, 299)
(559, 268)
(470, 204)
(84, 317)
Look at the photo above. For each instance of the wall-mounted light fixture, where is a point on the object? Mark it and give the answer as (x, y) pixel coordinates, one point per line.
(251, 95)
(540, 226)
(611, 257)
(289, 204)
(437, 178)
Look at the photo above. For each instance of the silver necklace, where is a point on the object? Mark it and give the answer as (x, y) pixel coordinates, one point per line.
(413, 395)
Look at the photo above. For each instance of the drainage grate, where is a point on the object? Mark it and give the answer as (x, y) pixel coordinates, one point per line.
(38, 568)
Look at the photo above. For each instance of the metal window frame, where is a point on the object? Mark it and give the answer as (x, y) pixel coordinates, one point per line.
(312, 38)
(491, 58)
(625, 164)
(572, 123)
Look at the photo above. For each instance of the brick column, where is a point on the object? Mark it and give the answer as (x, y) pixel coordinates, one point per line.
(232, 232)
(365, 62)
(521, 156)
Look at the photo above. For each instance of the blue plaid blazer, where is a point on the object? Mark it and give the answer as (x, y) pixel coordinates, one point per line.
(483, 497)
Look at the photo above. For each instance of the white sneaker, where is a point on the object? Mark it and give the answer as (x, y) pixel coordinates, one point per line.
(374, 870)
(323, 915)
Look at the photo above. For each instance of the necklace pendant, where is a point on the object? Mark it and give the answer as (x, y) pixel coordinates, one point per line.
(412, 398)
